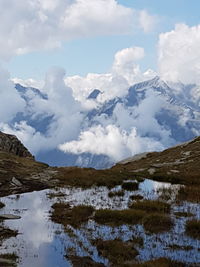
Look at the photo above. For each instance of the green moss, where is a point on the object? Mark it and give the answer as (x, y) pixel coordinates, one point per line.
(63, 214)
(151, 206)
(118, 217)
(130, 186)
(192, 228)
(116, 251)
(157, 223)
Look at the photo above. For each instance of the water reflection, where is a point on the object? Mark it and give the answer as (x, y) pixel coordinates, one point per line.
(43, 243)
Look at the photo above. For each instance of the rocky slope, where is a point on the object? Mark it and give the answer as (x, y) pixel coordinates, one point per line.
(179, 164)
(19, 172)
(9, 143)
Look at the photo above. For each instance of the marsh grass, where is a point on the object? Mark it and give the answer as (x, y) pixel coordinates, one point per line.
(136, 197)
(62, 213)
(83, 262)
(157, 223)
(8, 260)
(183, 214)
(189, 193)
(6, 233)
(192, 228)
(130, 186)
(118, 217)
(178, 247)
(160, 262)
(2, 205)
(88, 177)
(116, 251)
(151, 206)
(116, 193)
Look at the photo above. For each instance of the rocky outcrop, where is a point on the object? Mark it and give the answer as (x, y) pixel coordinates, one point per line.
(10, 144)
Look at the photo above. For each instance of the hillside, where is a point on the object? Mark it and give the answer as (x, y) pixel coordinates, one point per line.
(113, 217)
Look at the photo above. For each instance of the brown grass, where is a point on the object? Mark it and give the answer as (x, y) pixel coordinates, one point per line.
(192, 228)
(189, 193)
(83, 262)
(2, 205)
(160, 262)
(63, 214)
(88, 177)
(116, 251)
(151, 206)
(9, 259)
(118, 217)
(116, 193)
(178, 247)
(183, 214)
(157, 223)
(130, 186)
(6, 233)
(136, 197)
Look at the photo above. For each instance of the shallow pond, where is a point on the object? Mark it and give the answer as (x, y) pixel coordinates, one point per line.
(43, 243)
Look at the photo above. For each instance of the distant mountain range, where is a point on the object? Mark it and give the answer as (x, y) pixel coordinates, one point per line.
(175, 109)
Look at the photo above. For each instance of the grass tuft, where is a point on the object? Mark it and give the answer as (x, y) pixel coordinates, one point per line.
(116, 251)
(130, 186)
(118, 217)
(63, 214)
(192, 228)
(151, 206)
(157, 223)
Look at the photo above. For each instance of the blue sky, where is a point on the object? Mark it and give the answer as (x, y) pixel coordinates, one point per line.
(95, 54)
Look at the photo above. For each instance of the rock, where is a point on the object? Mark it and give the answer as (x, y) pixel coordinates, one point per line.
(9, 143)
(16, 182)
(9, 217)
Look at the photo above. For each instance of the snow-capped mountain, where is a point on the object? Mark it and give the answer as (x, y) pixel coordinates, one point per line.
(162, 112)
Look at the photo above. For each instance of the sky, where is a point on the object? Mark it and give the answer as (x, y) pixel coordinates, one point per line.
(67, 48)
(84, 54)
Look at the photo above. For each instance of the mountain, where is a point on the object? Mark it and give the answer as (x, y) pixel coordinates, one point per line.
(172, 109)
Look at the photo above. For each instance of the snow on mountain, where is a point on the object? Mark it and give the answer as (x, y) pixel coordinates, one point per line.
(153, 115)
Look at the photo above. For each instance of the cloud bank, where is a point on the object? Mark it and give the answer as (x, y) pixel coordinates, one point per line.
(179, 54)
(28, 25)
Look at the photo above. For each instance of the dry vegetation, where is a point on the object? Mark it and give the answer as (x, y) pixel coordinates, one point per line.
(160, 262)
(192, 228)
(83, 262)
(151, 206)
(175, 165)
(63, 214)
(116, 251)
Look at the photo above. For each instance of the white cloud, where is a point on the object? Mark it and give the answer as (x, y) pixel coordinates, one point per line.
(28, 82)
(179, 54)
(125, 72)
(110, 141)
(147, 21)
(125, 63)
(10, 100)
(28, 25)
(60, 105)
